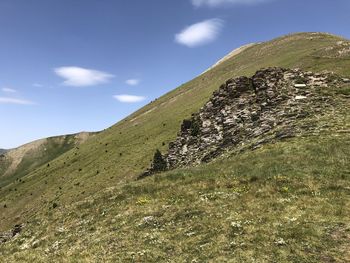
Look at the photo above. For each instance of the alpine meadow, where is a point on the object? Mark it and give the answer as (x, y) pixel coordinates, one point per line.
(247, 162)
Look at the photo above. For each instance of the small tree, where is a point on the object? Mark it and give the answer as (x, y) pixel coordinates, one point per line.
(159, 164)
(195, 128)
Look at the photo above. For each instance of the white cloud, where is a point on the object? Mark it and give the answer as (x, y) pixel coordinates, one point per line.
(215, 3)
(8, 90)
(200, 33)
(132, 82)
(129, 98)
(6, 100)
(79, 77)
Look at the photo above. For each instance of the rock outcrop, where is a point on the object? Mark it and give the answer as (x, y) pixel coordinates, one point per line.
(248, 112)
(6, 236)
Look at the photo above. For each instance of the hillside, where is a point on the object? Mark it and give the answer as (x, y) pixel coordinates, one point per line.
(289, 199)
(19, 162)
(2, 151)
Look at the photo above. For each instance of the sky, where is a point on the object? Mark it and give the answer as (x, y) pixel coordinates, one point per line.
(69, 66)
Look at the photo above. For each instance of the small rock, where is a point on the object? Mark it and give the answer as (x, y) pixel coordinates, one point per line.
(148, 220)
(280, 242)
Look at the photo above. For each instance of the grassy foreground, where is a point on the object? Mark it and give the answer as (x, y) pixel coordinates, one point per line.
(285, 202)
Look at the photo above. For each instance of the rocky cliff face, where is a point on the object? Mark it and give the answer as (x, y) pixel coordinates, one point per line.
(244, 112)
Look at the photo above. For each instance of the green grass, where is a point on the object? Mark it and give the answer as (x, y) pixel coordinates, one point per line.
(286, 202)
(344, 90)
(49, 150)
(197, 210)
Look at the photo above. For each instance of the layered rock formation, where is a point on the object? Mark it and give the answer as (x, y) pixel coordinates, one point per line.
(247, 112)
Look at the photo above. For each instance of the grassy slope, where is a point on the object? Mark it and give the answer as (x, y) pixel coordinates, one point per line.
(34, 155)
(286, 202)
(117, 155)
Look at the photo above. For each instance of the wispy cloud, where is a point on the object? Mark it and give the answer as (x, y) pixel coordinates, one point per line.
(129, 98)
(38, 85)
(132, 82)
(80, 77)
(216, 3)
(200, 33)
(7, 100)
(8, 90)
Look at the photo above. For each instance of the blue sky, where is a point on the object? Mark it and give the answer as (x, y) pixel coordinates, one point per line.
(68, 66)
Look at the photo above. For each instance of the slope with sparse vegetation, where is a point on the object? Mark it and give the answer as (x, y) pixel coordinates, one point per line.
(18, 162)
(285, 202)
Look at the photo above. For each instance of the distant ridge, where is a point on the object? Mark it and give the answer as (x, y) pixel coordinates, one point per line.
(232, 54)
(22, 160)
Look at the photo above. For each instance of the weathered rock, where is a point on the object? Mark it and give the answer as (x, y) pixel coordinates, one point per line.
(251, 111)
(8, 235)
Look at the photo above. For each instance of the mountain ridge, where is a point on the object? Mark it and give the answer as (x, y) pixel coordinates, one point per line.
(18, 162)
(88, 199)
(230, 55)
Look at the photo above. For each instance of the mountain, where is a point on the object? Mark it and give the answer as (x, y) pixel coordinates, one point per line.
(19, 162)
(2, 151)
(285, 201)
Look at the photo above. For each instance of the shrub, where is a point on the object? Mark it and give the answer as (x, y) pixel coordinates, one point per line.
(159, 164)
(300, 80)
(195, 128)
